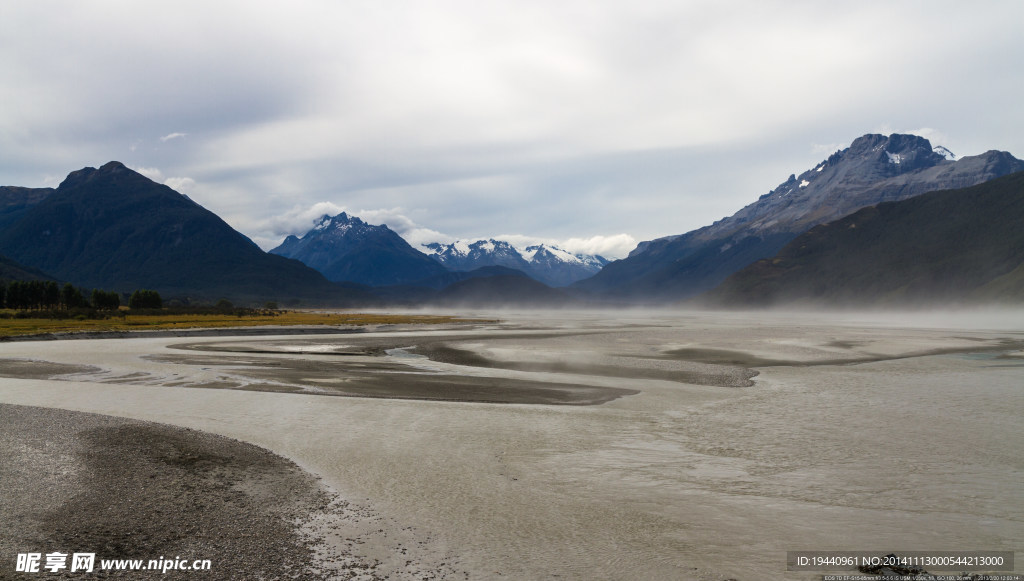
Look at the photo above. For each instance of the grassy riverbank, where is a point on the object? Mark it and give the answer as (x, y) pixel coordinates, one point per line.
(125, 321)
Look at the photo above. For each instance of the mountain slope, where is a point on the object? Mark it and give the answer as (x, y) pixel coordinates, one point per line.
(115, 229)
(344, 248)
(15, 201)
(548, 264)
(449, 278)
(13, 270)
(872, 170)
(955, 245)
(505, 290)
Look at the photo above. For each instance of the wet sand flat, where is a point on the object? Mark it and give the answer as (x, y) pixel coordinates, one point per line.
(918, 447)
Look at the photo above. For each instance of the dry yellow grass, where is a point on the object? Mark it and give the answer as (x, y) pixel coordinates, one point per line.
(20, 327)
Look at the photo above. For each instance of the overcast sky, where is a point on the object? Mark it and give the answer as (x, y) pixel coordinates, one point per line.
(595, 124)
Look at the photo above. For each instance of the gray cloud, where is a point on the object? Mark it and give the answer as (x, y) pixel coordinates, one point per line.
(549, 120)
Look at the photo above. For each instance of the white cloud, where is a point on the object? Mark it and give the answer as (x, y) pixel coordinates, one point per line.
(482, 117)
(612, 247)
(298, 220)
(181, 185)
(935, 136)
(828, 148)
(404, 226)
(615, 246)
(150, 172)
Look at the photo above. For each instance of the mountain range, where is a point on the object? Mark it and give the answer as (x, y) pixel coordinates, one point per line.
(940, 247)
(114, 229)
(874, 169)
(344, 248)
(548, 264)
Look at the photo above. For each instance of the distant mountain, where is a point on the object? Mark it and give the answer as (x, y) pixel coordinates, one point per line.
(962, 245)
(115, 229)
(344, 248)
(448, 278)
(427, 290)
(505, 290)
(548, 264)
(874, 169)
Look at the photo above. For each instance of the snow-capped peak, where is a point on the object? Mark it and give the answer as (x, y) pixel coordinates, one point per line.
(530, 253)
(545, 262)
(944, 152)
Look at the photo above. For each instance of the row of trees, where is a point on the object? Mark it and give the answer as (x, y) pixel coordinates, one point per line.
(48, 295)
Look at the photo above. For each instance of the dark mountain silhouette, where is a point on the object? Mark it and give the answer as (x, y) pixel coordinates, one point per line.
(503, 290)
(113, 228)
(15, 201)
(446, 279)
(344, 248)
(874, 169)
(426, 290)
(964, 245)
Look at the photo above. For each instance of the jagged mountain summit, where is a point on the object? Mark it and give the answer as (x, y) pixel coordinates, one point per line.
(557, 267)
(874, 169)
(113, 228)
(344, 248)
(546, 263)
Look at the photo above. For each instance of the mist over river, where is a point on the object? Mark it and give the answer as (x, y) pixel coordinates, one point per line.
(604, 445)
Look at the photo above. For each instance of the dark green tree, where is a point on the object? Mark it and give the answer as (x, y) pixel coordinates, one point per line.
(145, 299)
(51, 295)
(14, 295)
(71, 297)
(105, 301)
(37, 294)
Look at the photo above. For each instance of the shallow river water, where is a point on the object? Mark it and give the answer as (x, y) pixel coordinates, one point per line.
(858, 433)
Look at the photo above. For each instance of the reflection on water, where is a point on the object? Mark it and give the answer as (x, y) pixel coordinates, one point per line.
(683, 480)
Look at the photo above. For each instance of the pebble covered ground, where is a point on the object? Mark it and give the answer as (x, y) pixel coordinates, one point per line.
(125, 489)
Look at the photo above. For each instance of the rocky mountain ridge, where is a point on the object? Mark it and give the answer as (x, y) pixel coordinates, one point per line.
(874, 169)
(546, 263)
(345, 248)
(115, 229)
(936, 248)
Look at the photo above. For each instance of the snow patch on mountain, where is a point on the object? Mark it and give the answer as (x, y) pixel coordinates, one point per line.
(941, 150)
(545, 262)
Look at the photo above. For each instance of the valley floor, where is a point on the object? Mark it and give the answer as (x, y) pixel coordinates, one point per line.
(571, 445)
